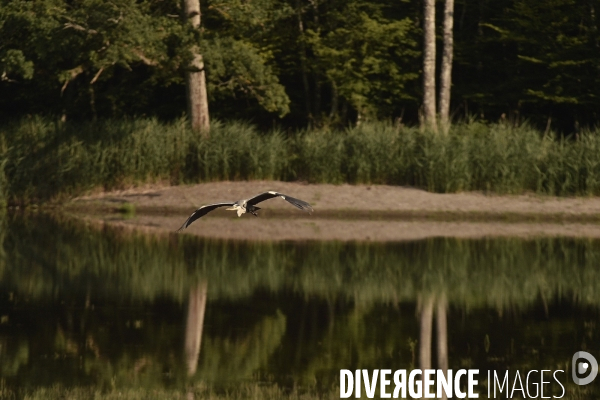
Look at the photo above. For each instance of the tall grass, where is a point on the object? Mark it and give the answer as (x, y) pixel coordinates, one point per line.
(43, 159)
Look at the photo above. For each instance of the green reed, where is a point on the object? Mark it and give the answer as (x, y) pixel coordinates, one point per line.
(43, 159)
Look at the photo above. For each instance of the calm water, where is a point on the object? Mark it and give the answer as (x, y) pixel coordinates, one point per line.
(82, 306)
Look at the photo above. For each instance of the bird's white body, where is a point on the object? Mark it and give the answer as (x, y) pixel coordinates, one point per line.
(242, 205)
(246, 206)
(240, 208)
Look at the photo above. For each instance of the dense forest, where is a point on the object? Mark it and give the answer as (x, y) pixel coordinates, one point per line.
(298, 63)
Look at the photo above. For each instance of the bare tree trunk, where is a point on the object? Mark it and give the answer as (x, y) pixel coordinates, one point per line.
(194, 325)
(442, 337)
(446, 73)
(195, 78)
(429, 64)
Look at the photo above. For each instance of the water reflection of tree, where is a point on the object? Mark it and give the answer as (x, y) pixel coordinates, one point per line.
(44, 253)
(14, 354)
(429, 303)
(49, 258)
(223, 356)
(194, 325)
(325, 336)
(71, 344)
(238, 356)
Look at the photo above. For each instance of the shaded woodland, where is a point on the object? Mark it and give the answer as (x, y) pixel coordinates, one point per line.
(299, 63)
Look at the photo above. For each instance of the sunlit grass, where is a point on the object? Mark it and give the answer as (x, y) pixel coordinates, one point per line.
(43, 159)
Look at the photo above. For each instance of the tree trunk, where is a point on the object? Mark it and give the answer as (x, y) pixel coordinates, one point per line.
(446, 73)
(429, 113)
(194, 325)
(195, 78)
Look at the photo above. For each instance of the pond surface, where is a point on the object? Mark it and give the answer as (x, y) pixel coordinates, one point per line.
(83, 306)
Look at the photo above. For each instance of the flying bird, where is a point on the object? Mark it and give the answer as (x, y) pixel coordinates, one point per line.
(246, 206)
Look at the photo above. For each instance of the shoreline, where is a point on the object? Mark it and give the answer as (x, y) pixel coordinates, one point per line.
(343, 212)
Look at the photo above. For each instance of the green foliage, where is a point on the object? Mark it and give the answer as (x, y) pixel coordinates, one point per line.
(317, 63)
(239, 56)
(14, 63)
(46, 157)
(319, 156)
(99, 35)
(473, 156)
(535, 59)
(556, 48)
(86, 57)
(25, 39)
(247, 19)
(42, 159)
(373, 153)
(238, 67)
(365, 59)
(115, 33)
(237, 151)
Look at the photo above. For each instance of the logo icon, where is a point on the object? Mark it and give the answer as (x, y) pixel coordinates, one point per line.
(584, 363)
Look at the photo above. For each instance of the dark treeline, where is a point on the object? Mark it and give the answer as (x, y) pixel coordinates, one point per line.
(299, 62)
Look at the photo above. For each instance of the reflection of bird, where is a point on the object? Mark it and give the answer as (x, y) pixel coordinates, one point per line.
(244, 206)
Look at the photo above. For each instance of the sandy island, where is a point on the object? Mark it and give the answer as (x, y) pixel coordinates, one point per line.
(345, 212)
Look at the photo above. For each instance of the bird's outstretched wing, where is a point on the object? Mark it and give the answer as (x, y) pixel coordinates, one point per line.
(301, 204)
(202, 211)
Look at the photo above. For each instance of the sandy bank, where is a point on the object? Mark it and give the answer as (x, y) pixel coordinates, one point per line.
(347, 212)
